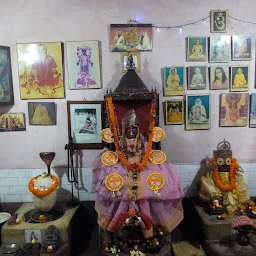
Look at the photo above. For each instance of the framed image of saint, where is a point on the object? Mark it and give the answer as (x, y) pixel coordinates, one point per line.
(197, 77)
(241, 47)
(239, 78)
(220, 49)
(219, 21)
(197, 48)
(174, 112)
(219, 77)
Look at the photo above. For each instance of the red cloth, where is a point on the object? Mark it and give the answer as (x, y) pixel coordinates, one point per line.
(243, 221)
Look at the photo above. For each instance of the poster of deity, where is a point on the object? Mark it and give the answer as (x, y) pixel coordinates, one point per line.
(174, 112)
(40, 70)
(197, 48)
(219, 77)
(234, 109)
(239, 78)
(219, 21)
(197, 77)
(83, 65)
(12, 122)
(173, 81)
(252, 123)
(220, 48)
(131, 37)
(241, 47)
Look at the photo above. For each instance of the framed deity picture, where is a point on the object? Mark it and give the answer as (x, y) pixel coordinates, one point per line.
(33, 236)
(219, 21)
(219, 77)
(40, 70)
(173, 81)
(10, 122)
(220, 48)
(6, 85)
(234, 109)
(239, 78)
(198, 112)
(83, 65)
(174, 112)
(131, 37)
(252, 122)
(241, 47)
(136, 60)
(197, 48)
(41, 113)
(85, 122)
(197, 77)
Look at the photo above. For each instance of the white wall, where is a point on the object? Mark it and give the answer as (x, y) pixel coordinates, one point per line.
(25, 21)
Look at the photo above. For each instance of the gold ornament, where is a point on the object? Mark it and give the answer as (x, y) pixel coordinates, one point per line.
(155, 182)
(107, 135)
(158, 134)
(109, 158)
(157, 157)
(114, 183)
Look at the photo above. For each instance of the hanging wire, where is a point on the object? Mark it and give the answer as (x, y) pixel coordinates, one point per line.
(244, 21)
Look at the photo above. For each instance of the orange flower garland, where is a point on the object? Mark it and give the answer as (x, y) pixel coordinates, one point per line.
(43, 193)
(133, 167)
(216, 176)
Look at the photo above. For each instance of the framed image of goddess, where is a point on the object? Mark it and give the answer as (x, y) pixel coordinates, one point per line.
(136, 60)
(174, 112)
(6, 85)
(239, 78)
(234, 109)
(40, 70)
(173, 81)
(220, 48)
(83, 65)
(85, 122)
(196, 48)
(252, 122)
(219, 77)
(10, 122)
(241, 47)
(198, 112)
(219, 21)
(197, 77)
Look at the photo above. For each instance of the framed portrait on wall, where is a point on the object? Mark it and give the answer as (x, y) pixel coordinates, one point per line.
(241, 47)
(40, 70)
(219, 21)
(131, 37)
(136, 60)
(198, 112)
(173, 81)
(83, 61)
(6, 84)
(220, 48)
(174, 112)
(85, 122)
(219, 77)
(234, 109)
(197, 77)
(239, 78)
(11, 122)
(197, 48)
(252, 122)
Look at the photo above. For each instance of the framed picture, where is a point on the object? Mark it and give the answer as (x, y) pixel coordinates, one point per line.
(252, 122)
(173, 81)
(131, 37)
(174, 112)
(83, 65)
(234, 109)
(239, 78)
(241, 47)
(197, 77)
(85, 122)
(6, 85)
(41, 113)
(220, 48)
(136, 60)
(197, 49)
(10, 122)
(219, 77)
(40, 70)
(33, 234)
(219, 21)
(198, 112)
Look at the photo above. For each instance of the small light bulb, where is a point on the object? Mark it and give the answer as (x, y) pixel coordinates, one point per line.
(180, 30)
(204, 21)
(157, 29)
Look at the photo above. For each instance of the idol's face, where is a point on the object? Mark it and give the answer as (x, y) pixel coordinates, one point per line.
(131, 132)
(218, 73)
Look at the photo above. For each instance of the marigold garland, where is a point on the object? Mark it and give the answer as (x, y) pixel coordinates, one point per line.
(112, 118)
(43, 193)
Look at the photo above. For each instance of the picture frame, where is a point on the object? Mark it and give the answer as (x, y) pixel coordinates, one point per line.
(174, 81)
(83, 61)
(6, 83)
(198, 103)
(33, 234)
(219, 21)
(174, 112)
(197, 77)
(42, 113)
(136, 61)
(240, 78)
(234, 109)
(252, 121)
(241, 47)
(220, 49)
(85, 122)
(41, 73)
(11, 122)
(219, 77)
(197, 48)
(131, 37)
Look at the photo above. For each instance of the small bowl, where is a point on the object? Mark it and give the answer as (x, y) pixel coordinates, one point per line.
(10, 248)
(4, 216)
